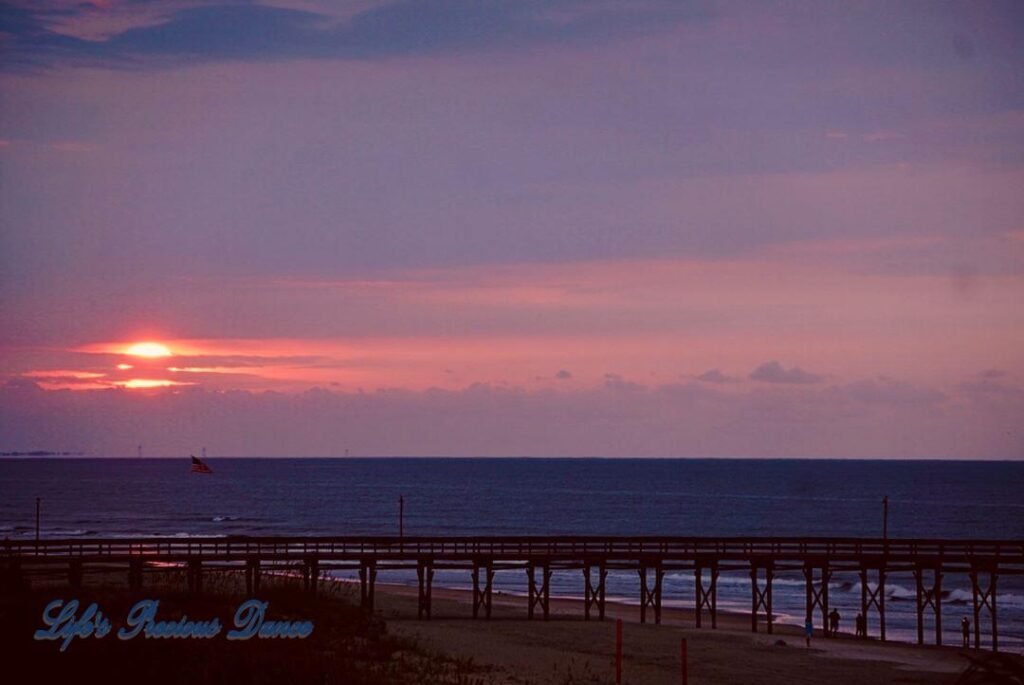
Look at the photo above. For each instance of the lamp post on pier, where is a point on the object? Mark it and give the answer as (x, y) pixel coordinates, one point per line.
(885, 518)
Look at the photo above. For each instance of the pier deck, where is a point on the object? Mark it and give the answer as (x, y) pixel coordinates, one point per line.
(817, 559)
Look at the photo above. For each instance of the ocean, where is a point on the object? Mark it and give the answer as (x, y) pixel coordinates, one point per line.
(688, 497)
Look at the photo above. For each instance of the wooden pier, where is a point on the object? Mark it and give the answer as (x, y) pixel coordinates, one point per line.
(816, 560)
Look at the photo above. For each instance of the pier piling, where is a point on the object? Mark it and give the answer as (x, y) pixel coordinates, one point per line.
(75, 574)
(873, 598)
(983, 596)
(134, 574)
(817, 595)
(650, 597)
(761, 597)
(194, 572)
(928, 597)
(707, 597)
(425, 577)
(539, 595)
(367, 583)
(252, 576)
(482, 596)
(594, 595)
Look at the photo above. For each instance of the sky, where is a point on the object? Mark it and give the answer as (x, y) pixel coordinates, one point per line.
(512, 228)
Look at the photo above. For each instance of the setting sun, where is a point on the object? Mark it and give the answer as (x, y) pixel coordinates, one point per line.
(149, 349)
(136, 383)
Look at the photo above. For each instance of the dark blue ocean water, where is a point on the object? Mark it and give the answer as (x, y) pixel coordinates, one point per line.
(86, 497)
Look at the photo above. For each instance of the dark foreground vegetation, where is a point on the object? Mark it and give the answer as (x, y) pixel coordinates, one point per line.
(347, 646)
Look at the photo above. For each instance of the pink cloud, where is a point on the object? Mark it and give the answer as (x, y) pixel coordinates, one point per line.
(879, 136)
(99, 20)
(818, 306)
(73, 146)
(878, 418)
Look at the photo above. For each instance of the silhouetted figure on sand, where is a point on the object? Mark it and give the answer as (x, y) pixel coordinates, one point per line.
(861, 626)
(833, 622)
(808, 630)
(965, 629)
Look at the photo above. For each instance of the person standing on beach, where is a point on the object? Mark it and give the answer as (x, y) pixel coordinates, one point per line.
(833, 622)
(965, 628)
(861, 628)
(808, 630)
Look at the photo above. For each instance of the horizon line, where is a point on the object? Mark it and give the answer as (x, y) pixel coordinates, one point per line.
(72, 457)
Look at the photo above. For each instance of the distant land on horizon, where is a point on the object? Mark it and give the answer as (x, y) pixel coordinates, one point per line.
(126, 457)
(42, 453)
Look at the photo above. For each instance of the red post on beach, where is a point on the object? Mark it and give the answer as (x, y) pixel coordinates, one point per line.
(682, 660)
(618, 651)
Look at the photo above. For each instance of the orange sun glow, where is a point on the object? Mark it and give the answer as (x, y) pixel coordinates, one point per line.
(148, 349)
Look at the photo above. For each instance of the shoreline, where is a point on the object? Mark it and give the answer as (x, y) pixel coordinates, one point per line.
(570, 607)
(535, 646)
(512, 607)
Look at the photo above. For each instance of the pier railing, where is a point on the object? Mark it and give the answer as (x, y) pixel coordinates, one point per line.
(1004, 552)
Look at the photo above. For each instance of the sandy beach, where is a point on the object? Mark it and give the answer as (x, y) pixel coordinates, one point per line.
(568, 649)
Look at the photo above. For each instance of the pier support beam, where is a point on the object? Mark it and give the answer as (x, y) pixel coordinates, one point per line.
(12, 580)
(194, 570)
(817, 595)
(650, 597)
(761, 598)
(310, 575)
(594, 595)
(367, 582)
(983, 596)
(929, 596)
(134, 574)
(541, 595)
(707, 596)
(482, 596)
(75, 574)
(425, 576)
(873, 598)
(252, 576)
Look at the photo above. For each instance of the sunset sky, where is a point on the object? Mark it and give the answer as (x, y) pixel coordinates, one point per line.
(523, 227)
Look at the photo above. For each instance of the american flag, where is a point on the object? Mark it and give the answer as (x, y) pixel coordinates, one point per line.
(198, 466)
